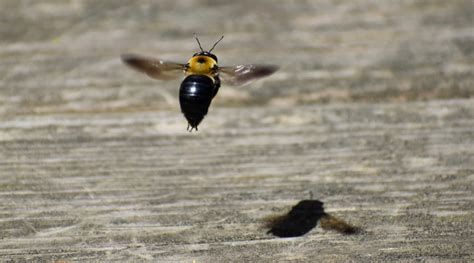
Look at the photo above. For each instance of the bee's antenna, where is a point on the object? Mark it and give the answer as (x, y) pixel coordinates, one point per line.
(216, 43)
(199, 43)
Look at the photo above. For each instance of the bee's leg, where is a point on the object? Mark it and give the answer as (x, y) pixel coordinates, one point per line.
(190, 128)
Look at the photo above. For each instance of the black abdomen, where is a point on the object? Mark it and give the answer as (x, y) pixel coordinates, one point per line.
(195, 96)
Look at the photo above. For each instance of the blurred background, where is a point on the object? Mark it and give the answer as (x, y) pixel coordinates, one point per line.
(63, 56)
(371, 110)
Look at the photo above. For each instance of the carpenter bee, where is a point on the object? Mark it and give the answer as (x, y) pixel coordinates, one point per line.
(202, 79)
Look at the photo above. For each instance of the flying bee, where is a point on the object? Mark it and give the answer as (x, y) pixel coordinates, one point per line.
(202, 79)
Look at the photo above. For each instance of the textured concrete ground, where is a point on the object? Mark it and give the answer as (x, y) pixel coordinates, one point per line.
(372, 112)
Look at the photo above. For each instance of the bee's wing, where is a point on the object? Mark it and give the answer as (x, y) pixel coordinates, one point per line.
(153, 67)
(244, 74)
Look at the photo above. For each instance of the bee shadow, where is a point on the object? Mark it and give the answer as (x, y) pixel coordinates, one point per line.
(303, 217)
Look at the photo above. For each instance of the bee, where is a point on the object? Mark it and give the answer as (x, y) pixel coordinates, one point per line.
(202, 78)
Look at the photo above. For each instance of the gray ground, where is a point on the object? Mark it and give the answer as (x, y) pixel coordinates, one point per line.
(372, 111)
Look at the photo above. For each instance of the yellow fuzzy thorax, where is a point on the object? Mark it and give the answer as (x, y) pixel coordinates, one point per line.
(201, 65)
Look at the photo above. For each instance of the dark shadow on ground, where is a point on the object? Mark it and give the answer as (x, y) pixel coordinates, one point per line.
(303, 217)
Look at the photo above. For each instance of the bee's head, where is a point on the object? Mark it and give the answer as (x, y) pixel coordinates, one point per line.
(206, 53)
